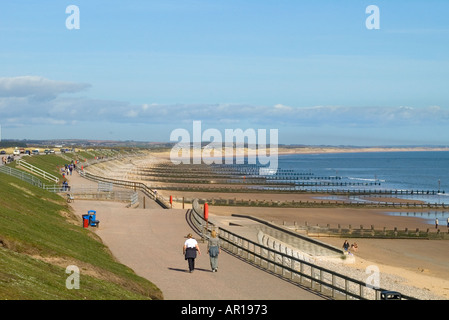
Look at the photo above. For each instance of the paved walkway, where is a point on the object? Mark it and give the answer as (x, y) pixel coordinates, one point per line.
(150, 242)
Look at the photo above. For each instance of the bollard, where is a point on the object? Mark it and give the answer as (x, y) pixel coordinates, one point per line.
(206, 211)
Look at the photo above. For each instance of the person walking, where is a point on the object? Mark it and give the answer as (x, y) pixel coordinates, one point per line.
(189, 250)
(346, 246)
(436, 223)
(213, 248)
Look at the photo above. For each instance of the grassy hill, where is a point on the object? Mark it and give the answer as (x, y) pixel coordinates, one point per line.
(40, 237)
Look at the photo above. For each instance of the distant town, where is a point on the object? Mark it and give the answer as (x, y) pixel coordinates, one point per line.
(69, 143)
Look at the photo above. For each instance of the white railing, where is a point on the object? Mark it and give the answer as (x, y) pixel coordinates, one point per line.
(37, 171)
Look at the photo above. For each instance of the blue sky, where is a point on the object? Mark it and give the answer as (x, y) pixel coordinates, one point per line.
(138, 70)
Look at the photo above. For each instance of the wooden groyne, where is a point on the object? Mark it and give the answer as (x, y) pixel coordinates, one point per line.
(314, 204)
(371, 232)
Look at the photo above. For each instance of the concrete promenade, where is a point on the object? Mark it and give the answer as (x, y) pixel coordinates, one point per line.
(150, 241)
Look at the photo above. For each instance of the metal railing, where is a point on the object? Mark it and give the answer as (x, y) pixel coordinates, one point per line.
(101, 192)
(22, 175)
(37, 171)
(284, 264)
(128, 184)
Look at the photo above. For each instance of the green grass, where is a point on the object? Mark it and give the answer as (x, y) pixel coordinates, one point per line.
(50, 163)
(40, 237)
(82, 155)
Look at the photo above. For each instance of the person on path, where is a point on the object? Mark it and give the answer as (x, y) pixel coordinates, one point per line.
(436, 223)
(213, 248)
(346, 246)
(189, 250)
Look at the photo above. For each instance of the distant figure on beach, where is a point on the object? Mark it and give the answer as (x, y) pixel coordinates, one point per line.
(354, 246)
(213, 248)
(189, 250)
(436, 223)
(346, 246)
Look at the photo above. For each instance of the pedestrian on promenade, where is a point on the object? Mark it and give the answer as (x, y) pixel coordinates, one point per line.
(213, 248)
(189, 250)
(346, 246)
(436, 223)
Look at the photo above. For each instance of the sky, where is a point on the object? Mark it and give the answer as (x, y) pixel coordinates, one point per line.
(319, 72)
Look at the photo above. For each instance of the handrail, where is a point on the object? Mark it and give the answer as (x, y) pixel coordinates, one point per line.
(329, 247)
(22, 175)
(127, 184)
(322, 280)
(37, 171)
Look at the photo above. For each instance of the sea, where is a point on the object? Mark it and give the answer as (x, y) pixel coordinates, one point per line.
(414, 170)
(414, 175)
(423, 174)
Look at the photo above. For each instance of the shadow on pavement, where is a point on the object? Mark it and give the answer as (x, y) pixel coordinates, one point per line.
(187, 271)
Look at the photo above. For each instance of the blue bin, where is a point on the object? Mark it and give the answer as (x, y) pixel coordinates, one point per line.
(93, 222)
(92, 214)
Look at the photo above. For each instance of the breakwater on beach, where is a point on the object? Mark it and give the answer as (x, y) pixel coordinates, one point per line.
(418, 176)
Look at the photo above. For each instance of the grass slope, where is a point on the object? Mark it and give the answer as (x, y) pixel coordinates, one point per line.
(50, 163)
(40, 238)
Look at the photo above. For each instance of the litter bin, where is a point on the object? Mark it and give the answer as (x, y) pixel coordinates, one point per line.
(85, 220)
(92, 216)
(390, 295)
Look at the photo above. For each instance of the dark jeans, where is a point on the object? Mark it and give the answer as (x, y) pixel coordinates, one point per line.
(191, 262)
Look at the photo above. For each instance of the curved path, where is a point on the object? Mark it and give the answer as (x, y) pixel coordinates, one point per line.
(150, 241)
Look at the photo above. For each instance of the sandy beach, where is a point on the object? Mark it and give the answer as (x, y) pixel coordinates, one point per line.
(420, 263)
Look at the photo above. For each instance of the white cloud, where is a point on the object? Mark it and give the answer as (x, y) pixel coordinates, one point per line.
(282, 107)
(37, 87)
(18, 104)
(132, 113)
